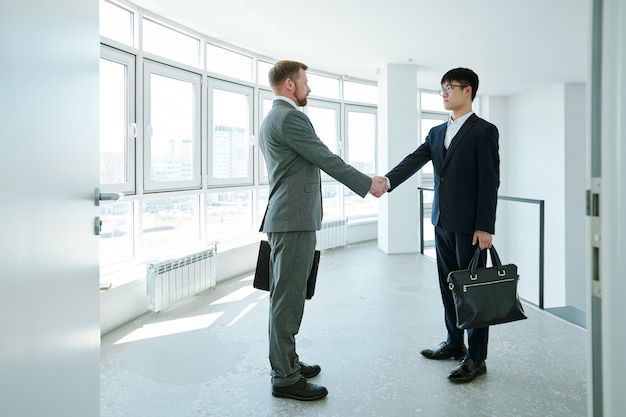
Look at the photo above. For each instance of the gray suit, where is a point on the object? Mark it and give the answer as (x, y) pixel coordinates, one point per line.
(294, 156)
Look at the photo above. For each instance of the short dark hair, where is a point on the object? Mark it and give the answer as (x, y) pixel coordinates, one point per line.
(283, 70)
(464, 76)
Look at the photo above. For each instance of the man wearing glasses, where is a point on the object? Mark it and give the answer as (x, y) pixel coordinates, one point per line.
(464, 153)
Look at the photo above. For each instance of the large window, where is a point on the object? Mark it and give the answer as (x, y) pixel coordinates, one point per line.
(263, 69)
(360, 92)
(357, 146)
(361, 131)
(432, 102)
(432, 114)
(169, 43)
(179, 123)
(117, 23)
(325, 118)
(170, 223)
(230, 121)
(323, 86)
(226, 62)
(266, 101)
(229, 214)
(171, 128)
(116, 233)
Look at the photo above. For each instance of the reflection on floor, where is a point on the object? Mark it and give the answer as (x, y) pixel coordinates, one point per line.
(371, 315)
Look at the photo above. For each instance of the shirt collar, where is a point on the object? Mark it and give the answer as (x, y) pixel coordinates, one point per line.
(287, 99)
(459, 121)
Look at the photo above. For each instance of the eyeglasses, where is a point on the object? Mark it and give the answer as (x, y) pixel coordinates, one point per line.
(448, 88)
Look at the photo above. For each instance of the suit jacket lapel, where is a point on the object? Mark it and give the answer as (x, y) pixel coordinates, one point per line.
(438, 150)
(459, 137)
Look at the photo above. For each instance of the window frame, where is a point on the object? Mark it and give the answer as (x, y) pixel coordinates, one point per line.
(134, 22)
(144, 251)
(232, 52)
(178, 30)
(265, 64)
(231, 87)
(359, 108)
(154, 67)
(261, 168)
(367, 109)
(329, 105)
(355, 82)
(427, 179)
(312, 75)
(123, 58)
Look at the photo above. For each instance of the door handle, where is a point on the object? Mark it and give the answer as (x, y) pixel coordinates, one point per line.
(107, 196)
(97, 226)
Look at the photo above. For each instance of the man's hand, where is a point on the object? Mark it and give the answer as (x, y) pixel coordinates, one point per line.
(483, 239)
(379, 186)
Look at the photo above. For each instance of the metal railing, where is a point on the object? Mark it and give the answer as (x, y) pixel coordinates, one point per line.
(540, 203)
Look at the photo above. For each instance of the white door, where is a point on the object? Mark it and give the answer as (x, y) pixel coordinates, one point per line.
(49, 287)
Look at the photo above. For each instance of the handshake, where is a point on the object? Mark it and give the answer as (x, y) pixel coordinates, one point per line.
(379, 186)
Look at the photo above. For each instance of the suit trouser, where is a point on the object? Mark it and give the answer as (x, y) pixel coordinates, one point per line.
(454, 252)
(290, 264)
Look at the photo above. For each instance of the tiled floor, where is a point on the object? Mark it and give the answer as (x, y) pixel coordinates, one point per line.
(371, 315)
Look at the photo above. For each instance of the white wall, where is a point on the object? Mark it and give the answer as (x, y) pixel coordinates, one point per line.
(576, 177)
(49, 313)
(236, 262)
(543, 157)
(123, 303)
(495, 110)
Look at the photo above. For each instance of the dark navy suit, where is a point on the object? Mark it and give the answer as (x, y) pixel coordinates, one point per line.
(467, 177)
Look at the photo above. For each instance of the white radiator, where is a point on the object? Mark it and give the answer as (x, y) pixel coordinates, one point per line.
(172, 280)
(334, 234)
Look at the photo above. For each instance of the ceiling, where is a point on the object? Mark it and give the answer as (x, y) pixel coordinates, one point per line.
(514, 46)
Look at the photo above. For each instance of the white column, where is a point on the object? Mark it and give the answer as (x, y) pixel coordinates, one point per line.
(398, 135)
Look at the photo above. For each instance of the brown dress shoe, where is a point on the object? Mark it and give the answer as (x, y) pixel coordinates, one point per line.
(302, 390)
(467, 371)
(445, 351)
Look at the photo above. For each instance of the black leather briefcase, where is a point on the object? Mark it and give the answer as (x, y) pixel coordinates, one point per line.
(485, 296)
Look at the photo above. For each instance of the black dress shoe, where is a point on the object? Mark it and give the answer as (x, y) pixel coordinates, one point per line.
(467, 371)
(309, 371)
(302, 390)
(445, 351)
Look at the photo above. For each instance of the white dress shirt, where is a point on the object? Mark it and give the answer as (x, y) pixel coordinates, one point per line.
(453, 128)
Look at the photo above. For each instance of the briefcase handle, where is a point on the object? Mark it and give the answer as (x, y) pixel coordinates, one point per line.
(495, 260)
